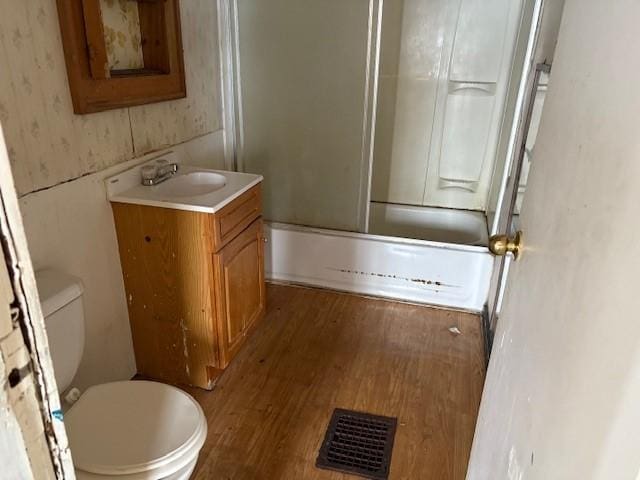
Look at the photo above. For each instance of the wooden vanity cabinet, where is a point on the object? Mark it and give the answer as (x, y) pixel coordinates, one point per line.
(194, 284)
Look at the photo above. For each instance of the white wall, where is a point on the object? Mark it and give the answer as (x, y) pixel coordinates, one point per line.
(562, 395)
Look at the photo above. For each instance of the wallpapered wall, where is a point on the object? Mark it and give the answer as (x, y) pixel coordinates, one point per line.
(48, 144)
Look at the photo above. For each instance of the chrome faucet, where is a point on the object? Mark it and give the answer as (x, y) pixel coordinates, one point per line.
(158, 172)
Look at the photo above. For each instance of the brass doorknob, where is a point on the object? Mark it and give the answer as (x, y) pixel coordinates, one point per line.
(501, 245)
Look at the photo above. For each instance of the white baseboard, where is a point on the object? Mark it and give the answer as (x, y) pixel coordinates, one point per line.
(447, 275)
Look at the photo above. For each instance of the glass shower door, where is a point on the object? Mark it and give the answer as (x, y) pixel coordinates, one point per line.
(305, 73)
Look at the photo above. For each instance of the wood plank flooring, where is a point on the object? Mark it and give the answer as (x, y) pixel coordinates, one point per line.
(317, 350)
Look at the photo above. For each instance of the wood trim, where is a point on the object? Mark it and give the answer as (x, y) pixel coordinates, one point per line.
(236, 216)
(30, 409)
(94, 29)
(90, 94)
(153, 36)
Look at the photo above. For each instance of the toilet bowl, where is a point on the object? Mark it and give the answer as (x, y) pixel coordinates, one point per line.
(135, 430)
(127, 430)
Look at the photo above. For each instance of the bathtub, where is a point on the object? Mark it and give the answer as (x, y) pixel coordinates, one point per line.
(444, 225)
(419, 271)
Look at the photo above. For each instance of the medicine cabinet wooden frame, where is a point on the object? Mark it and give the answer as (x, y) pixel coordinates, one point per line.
(94, 87)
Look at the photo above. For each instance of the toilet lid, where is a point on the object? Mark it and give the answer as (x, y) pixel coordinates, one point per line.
(134, 426)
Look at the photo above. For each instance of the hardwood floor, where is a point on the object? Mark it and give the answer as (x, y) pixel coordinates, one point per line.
(317, 350)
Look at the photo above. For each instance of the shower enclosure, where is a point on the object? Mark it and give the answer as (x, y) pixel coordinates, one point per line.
(381, 127)
(377, 116)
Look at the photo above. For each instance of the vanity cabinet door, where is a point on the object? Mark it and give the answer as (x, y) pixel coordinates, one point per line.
(239, 289)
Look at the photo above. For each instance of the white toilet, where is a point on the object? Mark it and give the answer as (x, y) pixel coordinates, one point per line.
(130, 430)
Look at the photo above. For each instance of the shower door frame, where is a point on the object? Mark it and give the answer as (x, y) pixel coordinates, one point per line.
(503, 220)
(231, 88)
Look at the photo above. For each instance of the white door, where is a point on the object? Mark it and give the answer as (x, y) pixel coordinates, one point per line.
(562, 393)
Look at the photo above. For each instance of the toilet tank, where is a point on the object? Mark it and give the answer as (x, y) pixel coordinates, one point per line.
(61, 299)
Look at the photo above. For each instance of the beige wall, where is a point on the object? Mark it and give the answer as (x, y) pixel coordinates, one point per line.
(60, 160)
(48, 144)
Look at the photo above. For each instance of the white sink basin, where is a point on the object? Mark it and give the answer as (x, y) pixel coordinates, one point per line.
(191, 184)
(192, 188)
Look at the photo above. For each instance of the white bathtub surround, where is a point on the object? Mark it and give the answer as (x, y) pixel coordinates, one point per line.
(70, 227)
(446, 225)
(447, 275)
(444, 76)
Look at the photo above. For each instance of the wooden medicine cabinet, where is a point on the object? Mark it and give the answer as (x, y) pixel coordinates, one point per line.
(146, 32)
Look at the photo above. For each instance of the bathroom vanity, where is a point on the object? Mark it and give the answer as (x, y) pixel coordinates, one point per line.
(192, 255)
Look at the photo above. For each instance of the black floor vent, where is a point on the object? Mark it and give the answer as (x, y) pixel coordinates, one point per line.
(358, 443)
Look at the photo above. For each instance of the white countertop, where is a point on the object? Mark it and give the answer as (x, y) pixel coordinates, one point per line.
(126, 188)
